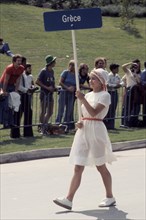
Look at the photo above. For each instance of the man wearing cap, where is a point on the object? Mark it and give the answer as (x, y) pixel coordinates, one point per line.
(114, 83)
(4, 48)
(46, 81)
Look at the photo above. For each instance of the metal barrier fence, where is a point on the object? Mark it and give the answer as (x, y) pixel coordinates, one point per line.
(128, 105)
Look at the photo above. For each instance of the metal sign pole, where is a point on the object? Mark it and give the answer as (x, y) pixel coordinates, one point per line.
(76, 71)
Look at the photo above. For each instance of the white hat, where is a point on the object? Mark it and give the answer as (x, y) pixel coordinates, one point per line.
(101, 74)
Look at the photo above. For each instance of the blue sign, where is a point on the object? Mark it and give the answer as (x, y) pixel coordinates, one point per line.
(73, 19)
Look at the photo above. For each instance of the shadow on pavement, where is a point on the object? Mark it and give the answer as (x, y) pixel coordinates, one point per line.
(110, 214)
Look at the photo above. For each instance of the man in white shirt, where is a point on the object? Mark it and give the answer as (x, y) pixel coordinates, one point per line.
(114, 83)
(131, 105)
(26, 89)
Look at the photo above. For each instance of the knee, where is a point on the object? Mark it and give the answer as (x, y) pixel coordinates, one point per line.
(78, 169)
(102, 169)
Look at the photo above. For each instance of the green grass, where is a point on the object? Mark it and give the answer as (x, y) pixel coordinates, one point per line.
(22, 26)
(45, 142)
(38, 142)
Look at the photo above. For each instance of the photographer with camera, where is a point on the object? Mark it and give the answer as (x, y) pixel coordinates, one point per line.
(131, 103)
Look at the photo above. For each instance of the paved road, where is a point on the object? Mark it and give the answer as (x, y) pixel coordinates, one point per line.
(28, 188)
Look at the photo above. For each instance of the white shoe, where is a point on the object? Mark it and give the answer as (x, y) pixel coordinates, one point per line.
(107, 202)
(65, 203)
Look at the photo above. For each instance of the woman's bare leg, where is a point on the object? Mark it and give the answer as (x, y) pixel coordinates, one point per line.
(107, 180)
(75, 182)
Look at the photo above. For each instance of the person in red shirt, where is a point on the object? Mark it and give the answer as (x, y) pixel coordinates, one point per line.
(9, 82)
(11, 76)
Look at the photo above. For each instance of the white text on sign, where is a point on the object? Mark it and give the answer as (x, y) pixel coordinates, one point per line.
(71, 18)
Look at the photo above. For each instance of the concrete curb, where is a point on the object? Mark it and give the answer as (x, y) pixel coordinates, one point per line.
(61, 152)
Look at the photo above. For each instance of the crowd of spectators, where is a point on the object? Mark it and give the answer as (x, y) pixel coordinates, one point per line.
(17, 87)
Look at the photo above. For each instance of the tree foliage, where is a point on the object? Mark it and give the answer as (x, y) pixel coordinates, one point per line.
(127, 13)
(60, 4)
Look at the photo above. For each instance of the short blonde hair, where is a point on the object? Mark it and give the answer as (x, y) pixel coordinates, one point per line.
(71, 62)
